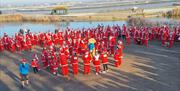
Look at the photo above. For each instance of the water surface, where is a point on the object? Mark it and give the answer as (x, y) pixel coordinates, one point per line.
(11, 28)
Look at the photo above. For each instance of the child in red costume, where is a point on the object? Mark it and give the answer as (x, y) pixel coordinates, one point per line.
(74, 62)
(87, 59)
(96, 63)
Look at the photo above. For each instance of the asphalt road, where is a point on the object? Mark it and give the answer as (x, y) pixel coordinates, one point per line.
(143, 69)
(90, 7)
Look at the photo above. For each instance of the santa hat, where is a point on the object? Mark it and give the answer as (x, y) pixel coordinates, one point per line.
(82, 41)
(87, 52)
(23, 60)
(33, 59)
(75, 53)
(96, 50)
(34, 55)
(62, 52)
(120, 41)
(53, 56)
(44, 48)
(104, 51)
(51, 47)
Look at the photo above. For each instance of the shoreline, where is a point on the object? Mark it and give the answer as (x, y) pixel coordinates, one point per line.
(56, 18)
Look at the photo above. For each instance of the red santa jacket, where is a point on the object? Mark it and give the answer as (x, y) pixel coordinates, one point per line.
(1, 45)
(104, 58)
(28, 42)
(127, 35)
(63, 60)
(112, 41)
(43, 58)
(96, 60)
(87, 59)
(54, 65)
(34, 63)
(116, 57)
(120, 50)
(74, 60)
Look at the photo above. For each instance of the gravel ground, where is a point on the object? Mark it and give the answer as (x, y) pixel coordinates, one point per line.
(154, 68)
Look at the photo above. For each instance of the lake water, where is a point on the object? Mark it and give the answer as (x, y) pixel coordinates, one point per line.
(11, 28)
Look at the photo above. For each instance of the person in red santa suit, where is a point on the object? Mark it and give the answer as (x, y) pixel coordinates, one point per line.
(55, 39)
(54, 66)
(12, 45)
(29, 45)
(141, 35)
(66, 51)
(96, 63)
(136, 34)
(112, 44)
(120, 44)
(123, 31)
(98, 46)
(52, 49)
(87, 60)
(36, 39)
(42, 41)
(103, 46)
(146, 39)
(171, 39)
(74, 62)
(64, 64)
(46, 57)
(49, 56)
(104, 58)
(30, 35)
(118, 57)
(44, 61)
(61, 40)
(18, 45)
(71, 50)
(83, 47)
(156, 33)
(51, 64)
(159, 35)
(5, 40)
(24, 45)
(150, 34)
(49, 41)
(76, 47)
(1, 45)
(120, 51)
(33, 41)
(128, 39)
(164, 38)
(37, 60)
(34, 65)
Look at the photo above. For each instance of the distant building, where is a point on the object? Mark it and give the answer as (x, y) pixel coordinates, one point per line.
(59, 10)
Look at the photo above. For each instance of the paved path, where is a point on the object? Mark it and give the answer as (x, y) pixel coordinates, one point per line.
(144, 69)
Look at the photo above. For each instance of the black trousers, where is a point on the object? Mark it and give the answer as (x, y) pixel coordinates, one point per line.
(105, 67)
(124, 37)
(35, 69)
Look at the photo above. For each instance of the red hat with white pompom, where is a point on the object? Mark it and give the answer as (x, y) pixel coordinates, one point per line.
(23, 60)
